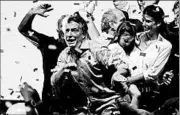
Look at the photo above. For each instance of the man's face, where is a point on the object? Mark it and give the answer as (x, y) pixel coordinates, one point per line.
(149, 24)
(73, 34)
(120, 19)
(125, 39)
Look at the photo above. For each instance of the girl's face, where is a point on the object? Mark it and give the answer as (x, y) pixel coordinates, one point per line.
(126, 39)
(149, 23)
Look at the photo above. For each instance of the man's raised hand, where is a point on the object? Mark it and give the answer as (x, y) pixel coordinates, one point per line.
(42, 9)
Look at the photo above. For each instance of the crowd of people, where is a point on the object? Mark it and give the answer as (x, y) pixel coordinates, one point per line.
(130, 69)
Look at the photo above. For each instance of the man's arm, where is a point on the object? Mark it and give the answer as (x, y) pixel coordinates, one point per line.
(86, 14)
(25, 27)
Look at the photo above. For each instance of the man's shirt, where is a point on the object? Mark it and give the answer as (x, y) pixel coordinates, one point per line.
(90, 63)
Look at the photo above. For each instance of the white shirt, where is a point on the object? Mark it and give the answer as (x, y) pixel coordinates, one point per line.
(152, 60)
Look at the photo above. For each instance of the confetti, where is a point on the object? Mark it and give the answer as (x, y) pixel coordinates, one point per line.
(17, 62)
(2, 51)
(14, 14)
(35, 69)
(34, 1)
(8, 29)
(76, 4)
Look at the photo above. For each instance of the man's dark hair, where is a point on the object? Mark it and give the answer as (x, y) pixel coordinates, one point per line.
(78, 19)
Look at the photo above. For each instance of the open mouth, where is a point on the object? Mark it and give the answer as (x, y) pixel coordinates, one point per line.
(71, 42)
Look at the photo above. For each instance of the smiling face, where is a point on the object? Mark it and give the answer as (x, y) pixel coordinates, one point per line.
(149, 24)
(73, 34)
(125, 39)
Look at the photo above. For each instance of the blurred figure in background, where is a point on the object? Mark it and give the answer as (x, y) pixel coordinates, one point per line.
(49, 46)
(131, 13)
(173, 63)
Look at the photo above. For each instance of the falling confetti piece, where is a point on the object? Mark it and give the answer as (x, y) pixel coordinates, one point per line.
(14, 14)
(17, 62)
(35, 69)
(76, 4)
(5, 18)
(24, 46)
(134, 11)
(8, 29)
(37, 79)
(2, 51)
(18, 96)
(2, 96)
(11, 92)
(34, 1)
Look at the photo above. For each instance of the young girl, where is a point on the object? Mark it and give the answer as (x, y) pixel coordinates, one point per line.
(124, 41)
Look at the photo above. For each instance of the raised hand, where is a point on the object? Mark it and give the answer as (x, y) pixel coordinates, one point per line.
(90, 7)
(29, 94)
(42, 9)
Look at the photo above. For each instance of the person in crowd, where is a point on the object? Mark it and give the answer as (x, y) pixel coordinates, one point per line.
(151, 52)
(173, 63)
(109, 23)
(126, 8)
(143, 3)
(83, 62)
(49, 46)
(125, 42)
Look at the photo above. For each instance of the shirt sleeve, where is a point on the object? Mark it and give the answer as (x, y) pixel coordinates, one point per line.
(37, 39)
(155, 70)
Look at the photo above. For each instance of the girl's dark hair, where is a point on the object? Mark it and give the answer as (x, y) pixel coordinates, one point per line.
(78, 19)
(126, 26)
(157, 13)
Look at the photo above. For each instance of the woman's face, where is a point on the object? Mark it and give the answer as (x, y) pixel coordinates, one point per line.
(149, 23)
(126, 39)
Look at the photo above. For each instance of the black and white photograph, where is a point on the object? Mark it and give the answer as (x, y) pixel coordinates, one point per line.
(89, 57)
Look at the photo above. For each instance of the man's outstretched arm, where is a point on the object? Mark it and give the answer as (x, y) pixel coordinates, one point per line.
(25, 27)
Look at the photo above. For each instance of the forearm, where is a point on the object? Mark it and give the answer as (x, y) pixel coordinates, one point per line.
(56, 76)
(26, 23)
(136, 78)
(92, 30)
